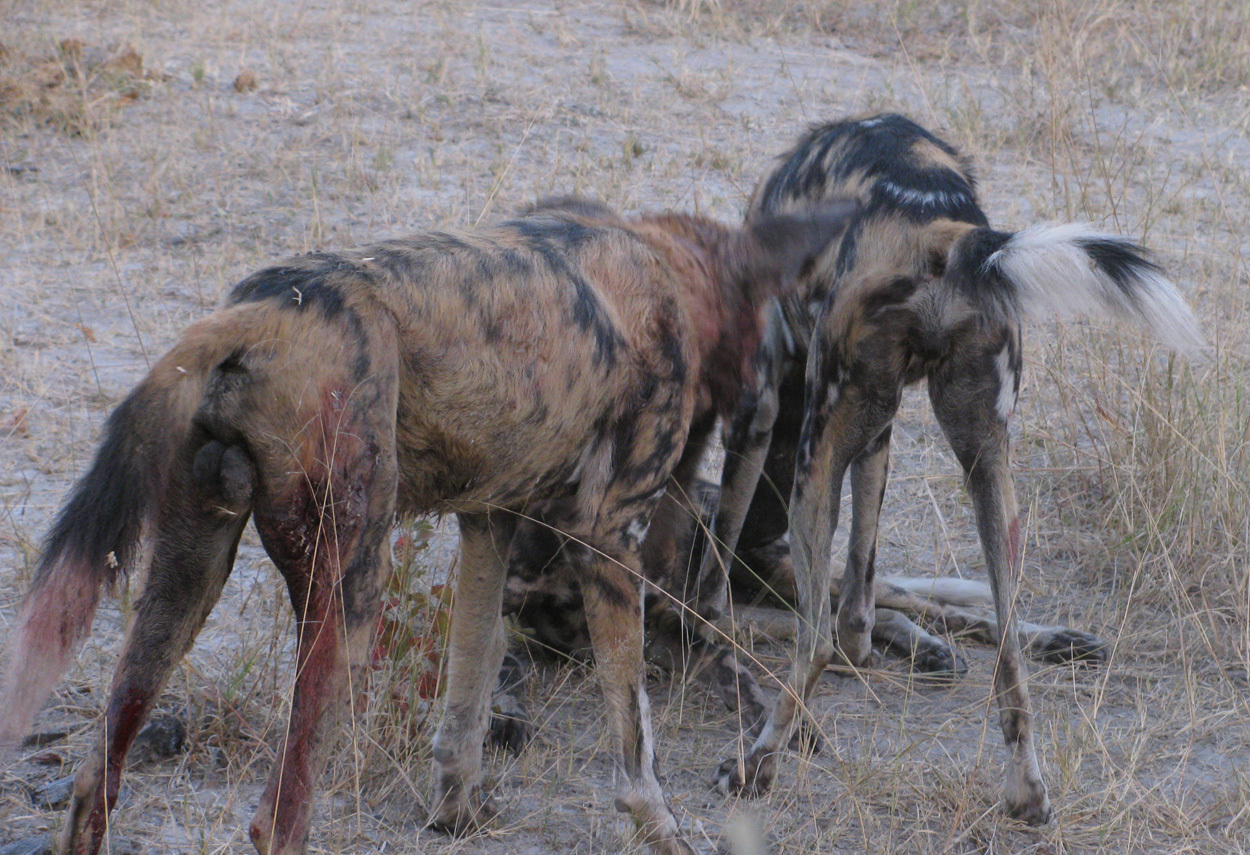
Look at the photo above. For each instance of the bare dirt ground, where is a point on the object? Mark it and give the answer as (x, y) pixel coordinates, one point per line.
(136, 187)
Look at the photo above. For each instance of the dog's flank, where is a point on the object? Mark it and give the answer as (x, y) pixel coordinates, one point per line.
(919, 287)
(552, 365)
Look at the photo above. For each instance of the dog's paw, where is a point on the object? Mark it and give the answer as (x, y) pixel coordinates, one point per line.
(856, 652)
(510, 726)
(938, 661)
(1070, 645)
(806, 739)
(458, 814)
(751, 779)
(1035, 810)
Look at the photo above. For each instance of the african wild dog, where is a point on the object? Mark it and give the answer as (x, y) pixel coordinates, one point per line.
(543, 594)
(919, 287)
(552, 365)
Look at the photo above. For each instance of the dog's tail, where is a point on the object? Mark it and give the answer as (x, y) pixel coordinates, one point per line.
(96, 536)
(1069, 270)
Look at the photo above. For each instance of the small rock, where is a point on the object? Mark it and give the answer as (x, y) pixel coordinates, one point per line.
(54, 795)
(40, 738)
(164, 736)
(37, 845)
(125, 61)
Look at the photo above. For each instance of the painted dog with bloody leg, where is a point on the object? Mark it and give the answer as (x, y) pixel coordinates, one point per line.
(919, 287)
(553, 365)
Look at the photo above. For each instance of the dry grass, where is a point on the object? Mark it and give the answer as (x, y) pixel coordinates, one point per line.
(121, 219)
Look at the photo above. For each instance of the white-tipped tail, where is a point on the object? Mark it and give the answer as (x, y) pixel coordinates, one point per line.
(1072, 269)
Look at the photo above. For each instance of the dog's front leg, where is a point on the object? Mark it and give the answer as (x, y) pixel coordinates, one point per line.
(475, 650)
(856, 607)
(748, 436)
(202, 518)
(840, 420)
(612, 588)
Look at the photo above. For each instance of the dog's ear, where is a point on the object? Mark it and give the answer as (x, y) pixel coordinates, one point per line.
(784, 248)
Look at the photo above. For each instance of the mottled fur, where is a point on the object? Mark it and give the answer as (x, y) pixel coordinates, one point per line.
(552, 366)
(919, 288)
(543, 595)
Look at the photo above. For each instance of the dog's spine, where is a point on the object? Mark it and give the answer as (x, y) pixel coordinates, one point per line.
(1068, 270)
(96, 535)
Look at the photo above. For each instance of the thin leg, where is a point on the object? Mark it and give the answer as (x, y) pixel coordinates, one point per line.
(613, 591)
(856, 608)
(967, 403)
(475, 650)
(204, 512)
(839, 423)
(748, 437)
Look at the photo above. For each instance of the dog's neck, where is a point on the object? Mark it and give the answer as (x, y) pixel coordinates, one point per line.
(713, 261)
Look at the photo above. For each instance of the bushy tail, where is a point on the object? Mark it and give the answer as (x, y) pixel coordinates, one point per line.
(96, 535)
(1069, 270)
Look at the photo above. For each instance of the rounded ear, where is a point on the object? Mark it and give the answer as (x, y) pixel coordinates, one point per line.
(786, 246)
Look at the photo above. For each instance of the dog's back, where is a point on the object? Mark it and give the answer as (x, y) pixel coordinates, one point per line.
(921, 238)
(906, 181)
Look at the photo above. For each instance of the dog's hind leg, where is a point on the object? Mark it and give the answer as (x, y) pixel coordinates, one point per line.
(972, 400)
(325, 519)
(202, 517)
(475, 649)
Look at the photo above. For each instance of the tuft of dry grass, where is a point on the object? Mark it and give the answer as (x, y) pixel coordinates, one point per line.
(76, 88)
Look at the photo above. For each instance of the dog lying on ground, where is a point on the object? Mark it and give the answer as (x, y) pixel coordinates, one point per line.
(919, 287)
(543, 595)
(552, 366)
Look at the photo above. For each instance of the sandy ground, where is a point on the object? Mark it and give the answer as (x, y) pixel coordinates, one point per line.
(373, 119)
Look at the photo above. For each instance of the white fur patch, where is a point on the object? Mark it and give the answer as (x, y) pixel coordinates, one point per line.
(923, 198)
(638, 530)
(1006, 384)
